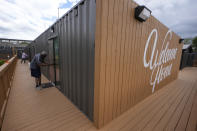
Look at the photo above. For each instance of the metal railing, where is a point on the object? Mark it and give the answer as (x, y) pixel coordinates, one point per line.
(6, 77)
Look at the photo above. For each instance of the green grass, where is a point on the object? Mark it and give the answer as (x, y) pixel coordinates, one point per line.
(2, 62)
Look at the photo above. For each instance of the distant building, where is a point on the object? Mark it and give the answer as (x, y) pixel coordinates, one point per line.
(188, 41)
(187, 48)
(7, 46)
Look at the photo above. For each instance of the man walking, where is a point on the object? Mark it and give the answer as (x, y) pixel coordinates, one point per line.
(35, 65)
(23, 57)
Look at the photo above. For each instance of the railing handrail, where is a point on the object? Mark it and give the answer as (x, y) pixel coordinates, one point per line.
(5, 66)
(6, 77)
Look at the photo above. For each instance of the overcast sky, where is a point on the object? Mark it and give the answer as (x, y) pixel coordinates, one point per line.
(26, 19)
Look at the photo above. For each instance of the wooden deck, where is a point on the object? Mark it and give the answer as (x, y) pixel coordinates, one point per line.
(172, 108)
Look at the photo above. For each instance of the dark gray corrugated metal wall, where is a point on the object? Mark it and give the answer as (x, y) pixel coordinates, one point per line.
(76, 34)
(41, 43)
(77, 55)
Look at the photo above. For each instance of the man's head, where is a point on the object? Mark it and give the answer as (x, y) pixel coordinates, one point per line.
(43, 54)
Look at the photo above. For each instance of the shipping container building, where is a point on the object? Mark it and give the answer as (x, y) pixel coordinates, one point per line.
(106, 61)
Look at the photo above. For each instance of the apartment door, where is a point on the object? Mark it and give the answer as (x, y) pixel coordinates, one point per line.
(54, 59)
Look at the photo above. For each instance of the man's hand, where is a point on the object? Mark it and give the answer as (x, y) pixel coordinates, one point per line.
(46, 64)
(51, 64)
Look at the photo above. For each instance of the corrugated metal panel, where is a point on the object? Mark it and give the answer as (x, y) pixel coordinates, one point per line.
(77, 55)
(75, 31)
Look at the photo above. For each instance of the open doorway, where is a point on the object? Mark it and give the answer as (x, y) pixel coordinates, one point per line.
(54, 59)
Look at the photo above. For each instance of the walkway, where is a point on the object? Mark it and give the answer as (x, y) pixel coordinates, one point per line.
(31, 109)
(172, 108)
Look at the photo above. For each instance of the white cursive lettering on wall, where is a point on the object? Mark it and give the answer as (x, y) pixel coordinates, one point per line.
(159, 57)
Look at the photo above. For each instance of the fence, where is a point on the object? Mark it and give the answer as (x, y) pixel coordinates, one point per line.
(188, 60)
(5, 52)
(6, 77)
(8, 52)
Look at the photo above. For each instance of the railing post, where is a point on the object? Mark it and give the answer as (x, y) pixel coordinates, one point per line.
(5, 82)
(2, 100)
(2, 93)
(1, 122)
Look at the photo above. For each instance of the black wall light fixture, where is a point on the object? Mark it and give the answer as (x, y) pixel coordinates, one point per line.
(142, 13)
(180, 41)
(52, 29)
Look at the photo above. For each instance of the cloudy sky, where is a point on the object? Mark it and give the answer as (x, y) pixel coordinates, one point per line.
(26, 19)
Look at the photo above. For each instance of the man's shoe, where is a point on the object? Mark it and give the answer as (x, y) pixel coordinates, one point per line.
(39, 88)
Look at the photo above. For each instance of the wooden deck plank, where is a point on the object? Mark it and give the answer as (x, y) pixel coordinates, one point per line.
(181, 125)
(192, 122)
(29, 109)
(140, 120)
(157, 117)
(180, 113)
(177, 113)
(152, 123)
(40, 112)
(43, 123)
(172, 109)
(160, 109)
(127, 117)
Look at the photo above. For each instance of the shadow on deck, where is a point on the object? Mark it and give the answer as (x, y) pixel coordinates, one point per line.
(172, 108)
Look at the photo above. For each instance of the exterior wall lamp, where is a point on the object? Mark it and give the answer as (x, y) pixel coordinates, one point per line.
(142, 13)
(52, 29)
(181, 40)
